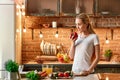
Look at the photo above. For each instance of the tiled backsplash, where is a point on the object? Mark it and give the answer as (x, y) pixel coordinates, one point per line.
(31, 47)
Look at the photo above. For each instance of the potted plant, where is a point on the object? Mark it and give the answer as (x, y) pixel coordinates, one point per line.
(108, 54)
(12, 68)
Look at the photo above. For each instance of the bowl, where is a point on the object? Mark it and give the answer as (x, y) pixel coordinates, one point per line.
(46, 25)
(105, 12)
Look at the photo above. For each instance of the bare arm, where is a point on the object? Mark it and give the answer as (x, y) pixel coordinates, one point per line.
(72, 50)
(97, 57)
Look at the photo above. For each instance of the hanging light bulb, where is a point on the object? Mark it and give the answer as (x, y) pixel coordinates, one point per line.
(23, 6)
(17, 30)
(41, 35)
(17, 13)
(106, 41)
(23, 13)
(24, 29)
(56, 34)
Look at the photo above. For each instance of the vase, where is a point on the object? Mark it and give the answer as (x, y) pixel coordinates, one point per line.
(13, 76)
(107, 58)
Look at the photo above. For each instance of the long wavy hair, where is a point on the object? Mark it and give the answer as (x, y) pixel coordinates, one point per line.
(86, 20)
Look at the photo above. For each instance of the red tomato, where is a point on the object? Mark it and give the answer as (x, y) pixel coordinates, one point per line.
(60, 74)
(66, 74)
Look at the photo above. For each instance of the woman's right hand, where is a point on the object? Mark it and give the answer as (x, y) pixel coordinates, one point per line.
(73, 36)
(74, 39)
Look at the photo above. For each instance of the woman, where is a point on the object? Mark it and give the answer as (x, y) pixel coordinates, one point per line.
(84, 47)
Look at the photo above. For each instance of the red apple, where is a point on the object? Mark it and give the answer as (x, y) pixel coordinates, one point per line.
(61, 59)
(73, 35)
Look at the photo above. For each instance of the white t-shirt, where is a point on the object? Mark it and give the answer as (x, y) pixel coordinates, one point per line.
(84, 48)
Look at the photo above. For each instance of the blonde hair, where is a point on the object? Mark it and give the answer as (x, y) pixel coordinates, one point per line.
(86, 20)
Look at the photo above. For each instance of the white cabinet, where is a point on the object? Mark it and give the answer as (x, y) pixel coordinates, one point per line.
(7, 41)
(6, 1)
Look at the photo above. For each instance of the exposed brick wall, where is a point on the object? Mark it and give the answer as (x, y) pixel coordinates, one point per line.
(31, 48)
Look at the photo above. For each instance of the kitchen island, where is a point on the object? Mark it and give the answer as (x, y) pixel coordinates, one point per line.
(89, 77)
(98, 76)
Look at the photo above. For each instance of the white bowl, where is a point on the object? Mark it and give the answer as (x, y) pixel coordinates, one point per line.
(105, 12)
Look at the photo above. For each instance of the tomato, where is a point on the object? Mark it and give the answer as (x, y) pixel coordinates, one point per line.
(60, 74)
(66, 74)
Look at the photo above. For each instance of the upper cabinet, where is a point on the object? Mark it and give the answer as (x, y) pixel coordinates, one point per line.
(58, 7)
(42, 7)
(107, 7)
(73, 7)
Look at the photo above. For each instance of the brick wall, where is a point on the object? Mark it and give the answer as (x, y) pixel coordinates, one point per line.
(31, 47)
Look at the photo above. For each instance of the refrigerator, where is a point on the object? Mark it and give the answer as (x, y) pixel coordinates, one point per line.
(7, 33)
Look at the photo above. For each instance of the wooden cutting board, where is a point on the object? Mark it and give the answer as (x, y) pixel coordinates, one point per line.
(109, 76)
(48, 58)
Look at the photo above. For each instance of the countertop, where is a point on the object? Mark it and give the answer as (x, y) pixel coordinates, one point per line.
(98, 76)
(89, 77)
(57, 62)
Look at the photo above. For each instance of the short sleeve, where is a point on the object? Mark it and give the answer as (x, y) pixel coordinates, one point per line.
(96, 40)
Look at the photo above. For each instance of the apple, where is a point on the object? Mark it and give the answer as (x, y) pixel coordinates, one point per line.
(66, 74)
(60, 74)
(61, 59)
(73, 35)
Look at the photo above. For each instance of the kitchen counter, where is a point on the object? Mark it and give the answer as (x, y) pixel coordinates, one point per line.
(98, 76)
(57, 62)
(89, 77)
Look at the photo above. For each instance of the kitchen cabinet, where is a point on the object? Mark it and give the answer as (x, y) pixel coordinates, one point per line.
(73, 7)
(106, 13)
(58, 7)
(107, 7)
(107, 68)
(41, 7)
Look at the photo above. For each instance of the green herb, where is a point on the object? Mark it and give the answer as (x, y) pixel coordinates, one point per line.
(11, 66)
(32, 75)
(108, 53)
